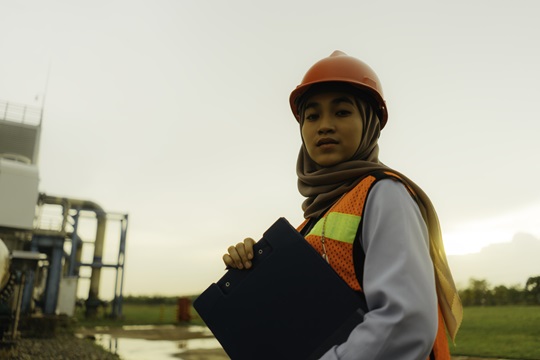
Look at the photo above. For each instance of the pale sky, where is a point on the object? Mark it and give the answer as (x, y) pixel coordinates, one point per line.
(177, 113)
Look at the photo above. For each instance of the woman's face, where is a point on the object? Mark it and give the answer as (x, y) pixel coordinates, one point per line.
(331, 127)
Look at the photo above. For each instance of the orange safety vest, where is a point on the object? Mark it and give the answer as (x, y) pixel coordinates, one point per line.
(340, 225)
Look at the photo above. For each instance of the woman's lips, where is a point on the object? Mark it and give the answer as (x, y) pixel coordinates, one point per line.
(327, 142)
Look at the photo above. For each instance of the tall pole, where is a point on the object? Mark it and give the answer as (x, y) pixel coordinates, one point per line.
(45, 89)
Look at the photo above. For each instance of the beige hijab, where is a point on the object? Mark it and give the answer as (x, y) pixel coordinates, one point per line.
(324, 186)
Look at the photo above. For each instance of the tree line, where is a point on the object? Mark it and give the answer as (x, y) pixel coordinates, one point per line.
(150, 300)
(481, 293)
(478, 293)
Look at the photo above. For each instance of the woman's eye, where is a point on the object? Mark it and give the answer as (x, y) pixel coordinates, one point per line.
(343, 113)
(311, 117)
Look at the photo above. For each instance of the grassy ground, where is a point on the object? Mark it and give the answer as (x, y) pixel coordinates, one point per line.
(511, 332)
(133, 315)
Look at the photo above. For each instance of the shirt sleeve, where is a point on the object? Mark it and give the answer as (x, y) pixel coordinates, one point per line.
(398, 280)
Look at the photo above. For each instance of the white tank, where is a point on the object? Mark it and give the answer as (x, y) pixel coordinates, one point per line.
(19, 193)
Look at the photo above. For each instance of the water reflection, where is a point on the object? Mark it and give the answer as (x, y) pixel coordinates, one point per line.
(142, 349)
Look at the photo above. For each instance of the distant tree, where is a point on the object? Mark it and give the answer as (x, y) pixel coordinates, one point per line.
(501, 295)
(516, 295)
(477, 294)
(532, 287)
(150, 300)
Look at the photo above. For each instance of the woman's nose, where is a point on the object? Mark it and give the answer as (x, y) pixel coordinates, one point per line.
(326, 125)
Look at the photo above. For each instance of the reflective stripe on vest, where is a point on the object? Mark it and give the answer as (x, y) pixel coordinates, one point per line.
(341, 224)
(339, 227)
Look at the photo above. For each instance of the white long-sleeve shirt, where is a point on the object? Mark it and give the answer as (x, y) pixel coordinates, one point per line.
(398, 281)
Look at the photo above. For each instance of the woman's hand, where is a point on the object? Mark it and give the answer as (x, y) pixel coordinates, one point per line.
(240, 256)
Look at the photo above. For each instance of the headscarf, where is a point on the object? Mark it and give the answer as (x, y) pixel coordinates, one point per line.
(323, 186)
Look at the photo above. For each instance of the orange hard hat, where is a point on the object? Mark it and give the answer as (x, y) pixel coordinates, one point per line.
(340, 67)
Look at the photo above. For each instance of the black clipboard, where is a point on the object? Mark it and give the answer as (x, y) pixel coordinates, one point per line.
(290, 305)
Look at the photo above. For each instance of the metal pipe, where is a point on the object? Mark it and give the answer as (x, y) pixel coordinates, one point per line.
(14, 333)
(95, 277)
(75, 241)
(119, 282)
(54, 275)
(73, 203)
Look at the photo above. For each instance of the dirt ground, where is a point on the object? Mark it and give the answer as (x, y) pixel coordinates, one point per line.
(177, 333)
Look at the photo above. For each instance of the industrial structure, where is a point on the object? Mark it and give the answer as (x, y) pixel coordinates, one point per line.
(41, 246)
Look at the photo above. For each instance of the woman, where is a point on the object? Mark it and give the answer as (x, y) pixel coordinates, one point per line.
(376, 228)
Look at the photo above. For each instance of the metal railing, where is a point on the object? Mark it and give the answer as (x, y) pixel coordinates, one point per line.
(22, 113)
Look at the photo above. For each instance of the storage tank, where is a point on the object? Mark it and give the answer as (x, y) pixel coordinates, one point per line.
(4, 265)
(19, 183)
(20, 131)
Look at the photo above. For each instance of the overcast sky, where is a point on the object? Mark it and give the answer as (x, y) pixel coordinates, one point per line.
(177, 113)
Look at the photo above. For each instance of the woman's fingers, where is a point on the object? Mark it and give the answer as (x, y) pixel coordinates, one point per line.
(236, 260)
(240, 256)
(229, 262)
(245, 249)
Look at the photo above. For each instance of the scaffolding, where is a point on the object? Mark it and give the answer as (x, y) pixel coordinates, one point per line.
(57, 234)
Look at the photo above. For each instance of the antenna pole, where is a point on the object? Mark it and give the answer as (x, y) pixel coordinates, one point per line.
(45, 91)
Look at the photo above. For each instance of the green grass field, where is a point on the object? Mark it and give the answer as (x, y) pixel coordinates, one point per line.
(509, 332)
(134, 314)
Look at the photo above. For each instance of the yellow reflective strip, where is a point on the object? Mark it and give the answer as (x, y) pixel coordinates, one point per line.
(339, 226)
(317, 229)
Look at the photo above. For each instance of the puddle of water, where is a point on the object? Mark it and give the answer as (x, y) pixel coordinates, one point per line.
(153, 327)
(141, 349)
